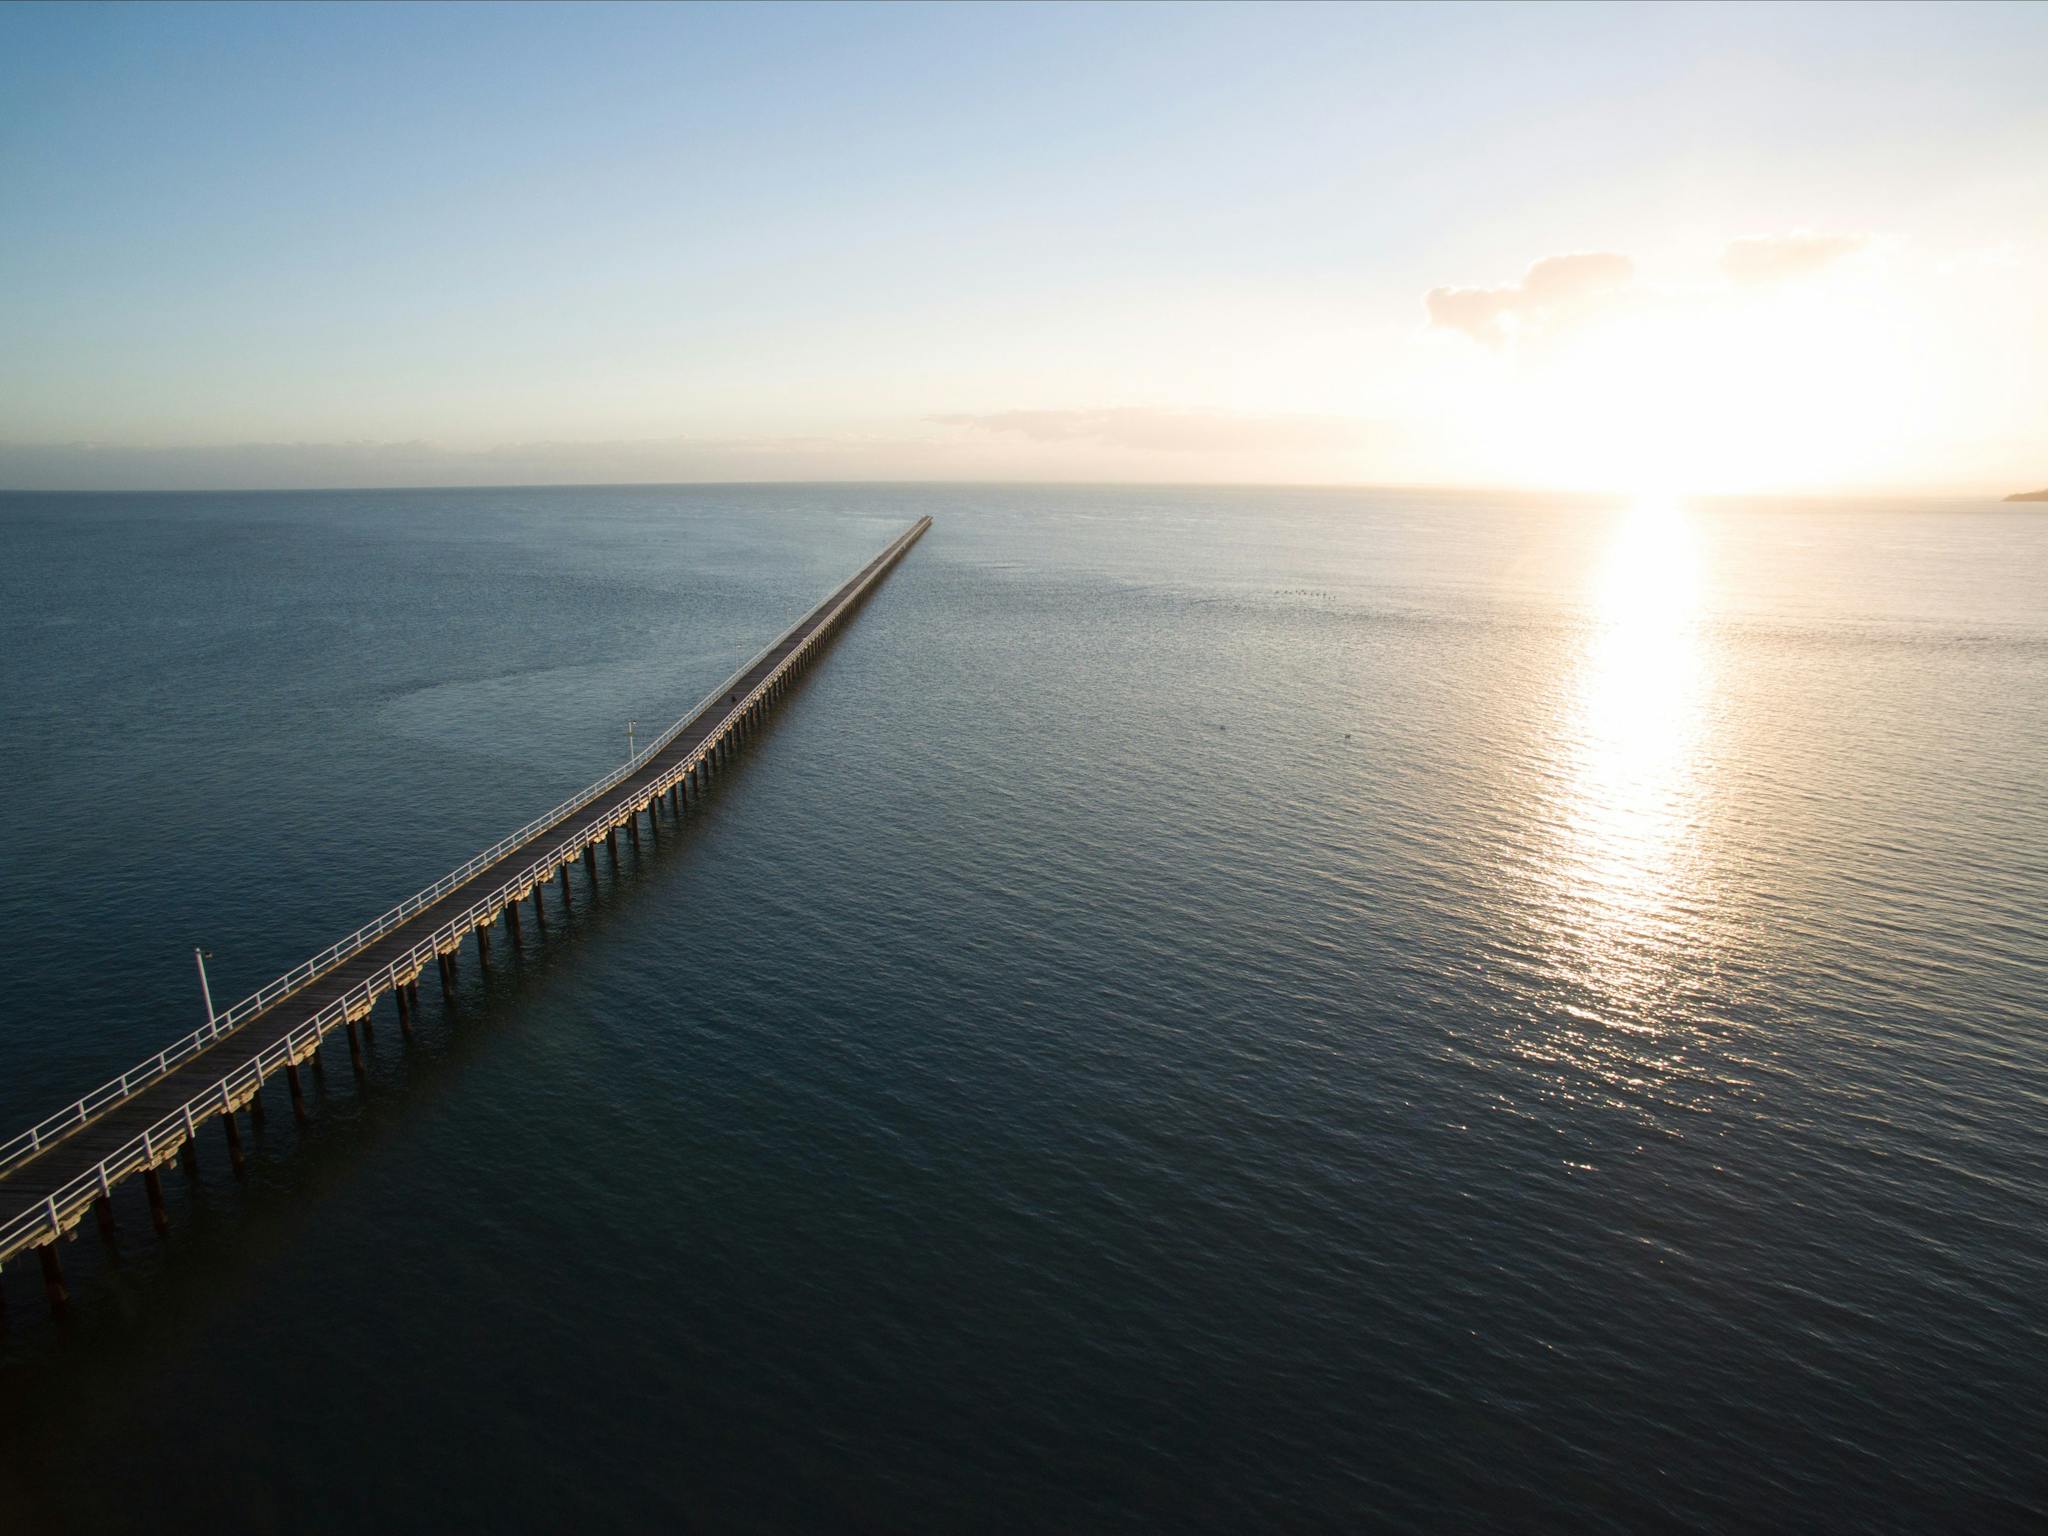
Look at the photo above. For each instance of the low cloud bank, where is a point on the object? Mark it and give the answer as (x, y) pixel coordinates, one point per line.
(355, 465)
(1125, 443)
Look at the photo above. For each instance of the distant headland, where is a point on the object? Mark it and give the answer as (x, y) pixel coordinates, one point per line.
(2028, 496)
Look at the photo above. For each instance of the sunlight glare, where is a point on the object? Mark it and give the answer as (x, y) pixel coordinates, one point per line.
(1632, 754)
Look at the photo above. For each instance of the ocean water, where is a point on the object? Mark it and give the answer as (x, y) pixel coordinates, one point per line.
(1209, 1011)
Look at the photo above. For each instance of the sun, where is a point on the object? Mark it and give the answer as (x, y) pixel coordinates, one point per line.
(1717, 393)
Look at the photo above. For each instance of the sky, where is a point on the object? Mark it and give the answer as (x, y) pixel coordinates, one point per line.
(1659, 249)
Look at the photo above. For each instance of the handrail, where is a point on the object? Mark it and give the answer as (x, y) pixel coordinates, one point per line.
(30, 1142)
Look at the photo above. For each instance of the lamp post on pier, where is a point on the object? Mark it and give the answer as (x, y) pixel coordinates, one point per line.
(206, 992)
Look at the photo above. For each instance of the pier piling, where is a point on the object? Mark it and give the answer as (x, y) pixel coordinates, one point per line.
(158, 1217)
(53, 1278)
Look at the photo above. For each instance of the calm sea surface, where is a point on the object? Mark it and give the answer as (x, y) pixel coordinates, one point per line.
(1210, 1011)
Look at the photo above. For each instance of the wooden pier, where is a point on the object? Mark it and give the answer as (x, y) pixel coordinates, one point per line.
(54, 1174)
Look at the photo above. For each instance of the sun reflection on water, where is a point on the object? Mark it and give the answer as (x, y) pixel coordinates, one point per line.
(1629, 768)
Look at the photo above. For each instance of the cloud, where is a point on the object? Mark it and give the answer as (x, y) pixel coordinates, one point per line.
(1153, 430)
(1764, 259)
(1554, 290)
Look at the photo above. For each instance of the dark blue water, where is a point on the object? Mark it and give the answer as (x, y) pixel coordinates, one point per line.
(1209, 1011)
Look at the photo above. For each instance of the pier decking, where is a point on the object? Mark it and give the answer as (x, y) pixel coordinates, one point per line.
(53, 1174)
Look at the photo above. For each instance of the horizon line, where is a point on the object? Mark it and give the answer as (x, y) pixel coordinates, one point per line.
(1441, 487)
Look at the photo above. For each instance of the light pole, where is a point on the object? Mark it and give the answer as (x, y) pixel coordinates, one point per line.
(205, 991)
(630, 726)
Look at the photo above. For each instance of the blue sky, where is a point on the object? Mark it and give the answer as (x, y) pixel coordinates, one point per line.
(388, 244)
